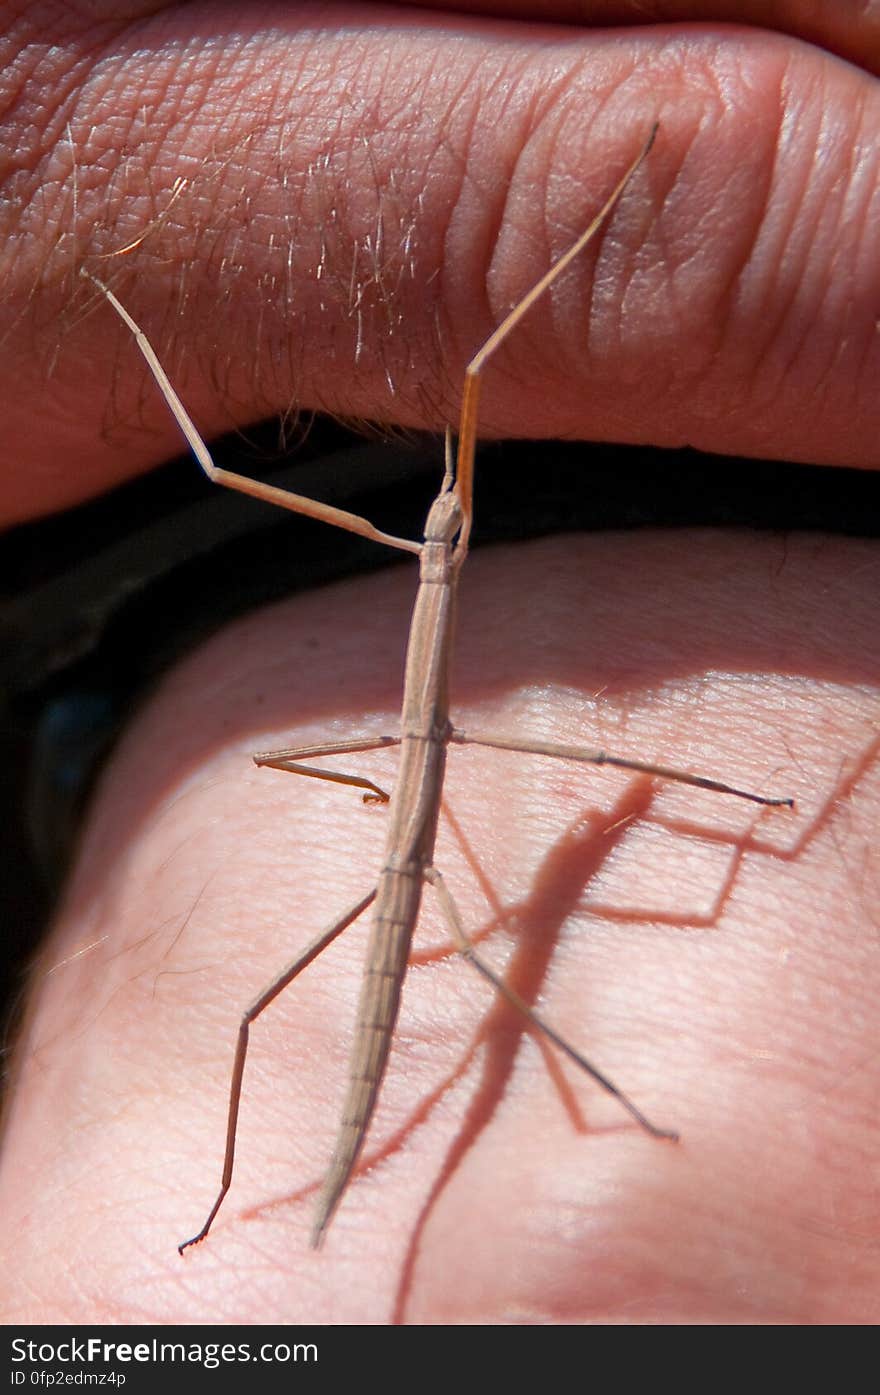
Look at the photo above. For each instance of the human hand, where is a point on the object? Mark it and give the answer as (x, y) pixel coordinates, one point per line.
(734, 308)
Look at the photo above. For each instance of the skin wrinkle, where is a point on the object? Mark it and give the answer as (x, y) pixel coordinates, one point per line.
(517, 175)
(766, 331)
(522, 177)
(835, 307)
(859, 174)
(551, 128)
(838, 287)
(453, 288)
(741, 251)
(807, 340)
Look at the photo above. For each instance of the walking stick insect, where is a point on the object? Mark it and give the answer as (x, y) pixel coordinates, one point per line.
(425, 733)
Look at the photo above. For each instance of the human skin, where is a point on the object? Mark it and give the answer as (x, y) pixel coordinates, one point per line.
(723, 971)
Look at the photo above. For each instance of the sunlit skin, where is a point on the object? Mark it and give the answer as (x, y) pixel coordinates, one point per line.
(723, 970)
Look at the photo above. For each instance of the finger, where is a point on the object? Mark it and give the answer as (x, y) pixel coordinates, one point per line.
(349, 252)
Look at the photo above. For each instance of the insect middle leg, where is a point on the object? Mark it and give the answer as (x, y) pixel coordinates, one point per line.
(587, 757)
